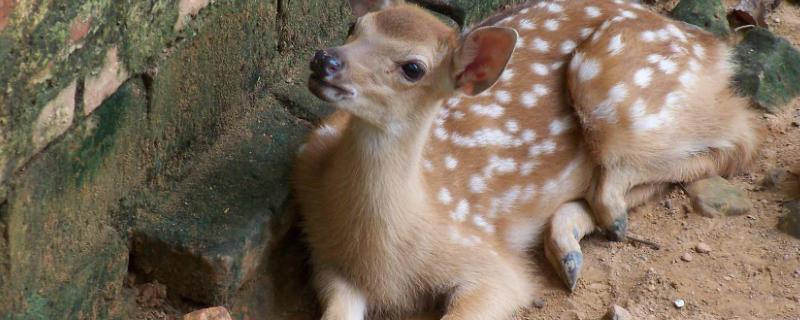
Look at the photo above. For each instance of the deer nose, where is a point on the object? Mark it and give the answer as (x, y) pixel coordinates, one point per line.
(326, 65)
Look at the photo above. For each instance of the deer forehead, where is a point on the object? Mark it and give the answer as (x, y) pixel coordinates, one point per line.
(411, 25)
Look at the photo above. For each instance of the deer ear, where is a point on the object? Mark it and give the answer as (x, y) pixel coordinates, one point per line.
(482, 57)
(362, 7)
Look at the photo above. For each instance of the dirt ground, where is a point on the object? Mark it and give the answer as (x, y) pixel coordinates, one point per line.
(752, 271)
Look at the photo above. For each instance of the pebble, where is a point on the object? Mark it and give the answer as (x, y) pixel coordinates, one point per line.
(727, 278)
(679, 303)
(215, 313)
(687, 257)
(702, 247)
(618, 313)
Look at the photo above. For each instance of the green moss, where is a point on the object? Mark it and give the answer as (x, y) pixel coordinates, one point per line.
(707, 14)
(768, 69)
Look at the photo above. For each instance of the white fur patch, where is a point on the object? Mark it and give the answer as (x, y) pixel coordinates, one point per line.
(616, 45)
(554, 8)
(499, 165)
(507, 75)
(486, 137)
(526, 168)
(502, 96)
(628, 14)
(668, 66)
(558, 127)
(444, 196)
(526, 24)
(461, 211)
(480, 222)
(477, 184)
(327, 131)
(546, 147)
(540, 69)
(699, 51)
(648, 36)
(586, 32)
(551, 24)
(541, 45)
(643, 77)
(567, 46)
(450, 162)
(607, 109)
(528, 135)
(588, 70)
(492, 111)
(512, 126)
(592, 12)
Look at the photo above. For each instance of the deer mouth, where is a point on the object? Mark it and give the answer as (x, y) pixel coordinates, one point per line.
(328, 91)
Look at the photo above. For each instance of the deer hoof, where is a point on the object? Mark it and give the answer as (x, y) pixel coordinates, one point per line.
(571, 269)
(618, 230)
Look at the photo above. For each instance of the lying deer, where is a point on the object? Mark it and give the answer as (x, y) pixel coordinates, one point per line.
(451, 153)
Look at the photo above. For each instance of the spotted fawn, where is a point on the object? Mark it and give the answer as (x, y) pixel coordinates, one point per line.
(450, 153)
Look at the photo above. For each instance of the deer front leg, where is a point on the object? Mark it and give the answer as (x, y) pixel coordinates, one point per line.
(607, 201)
(571, 222)
(498, 295)
(340, 299)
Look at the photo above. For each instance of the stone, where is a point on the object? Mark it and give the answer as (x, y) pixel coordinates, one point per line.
(768, 69)
(707, 14)
(716, 196)
(215, 313)
(102, 85)
(790, 223)
(618, 313)
(55, 118)
(774, 178)
(151, 295)
(702, 247)
(188, 9)
(687, 257)
(679, 303)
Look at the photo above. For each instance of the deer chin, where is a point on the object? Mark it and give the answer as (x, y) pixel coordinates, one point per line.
(328, 91)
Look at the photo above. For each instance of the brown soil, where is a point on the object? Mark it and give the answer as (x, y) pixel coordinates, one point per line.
(753, 270)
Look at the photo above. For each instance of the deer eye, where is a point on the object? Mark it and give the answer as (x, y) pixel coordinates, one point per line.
(413, 71)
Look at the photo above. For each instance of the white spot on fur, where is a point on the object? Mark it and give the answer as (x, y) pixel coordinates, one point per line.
(512, 126)
(628, 14)
(557, 65)
(694, 66)
(526, 24)
(654, 58)
(568, 46)
(528, 135)
(558, 127)
(480, 222)
(648, 36)
(668, 66)
(551, 24)
(499, 165)
(616, 45)
(502, 96)
(554, 8)
(662, 34)
(444, 196)
(526, 168)
(588, 70)
(520, 42)
(699, 51)
(676, 32)
(643, 77)
(492, 111)
(540, 69)
(540, 90)
(477, 184)
(440, 133)
(586, 32)
(546, 147)
(607, 109)
(541, 45)
(450, 162)
(452, 102)
(507, 75)
(592, 12)
(486, 137)
(461, 212)
(687, 79)
(458, 115)
(529, 100)
(576, 61)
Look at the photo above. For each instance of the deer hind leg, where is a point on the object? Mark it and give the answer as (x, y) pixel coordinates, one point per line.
(571, 222)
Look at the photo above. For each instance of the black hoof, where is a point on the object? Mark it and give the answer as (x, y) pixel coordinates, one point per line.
(572, 263)
(618, 230)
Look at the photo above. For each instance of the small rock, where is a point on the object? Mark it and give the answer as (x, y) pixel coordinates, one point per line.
(679, 303)
(774, 178)
(702, 247)
(687, 257)
(727, 278)
(769, 69)
(151, 295)
(215, 313)
(790, 223)
(618, 313)
(568, 315)
(707, 14)
(716, 196)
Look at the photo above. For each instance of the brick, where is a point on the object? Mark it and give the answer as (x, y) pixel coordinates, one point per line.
(55, 118)
(6, 8)
(79, 28)
(188, 9)
(105, 83)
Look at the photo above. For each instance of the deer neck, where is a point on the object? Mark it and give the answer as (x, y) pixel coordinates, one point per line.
(385, 167)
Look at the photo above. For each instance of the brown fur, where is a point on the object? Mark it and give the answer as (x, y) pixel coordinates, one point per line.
(380, 191)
